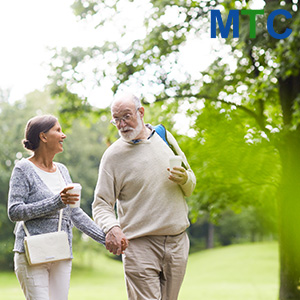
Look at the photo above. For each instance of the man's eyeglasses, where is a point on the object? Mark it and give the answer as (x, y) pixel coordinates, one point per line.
(126, 118)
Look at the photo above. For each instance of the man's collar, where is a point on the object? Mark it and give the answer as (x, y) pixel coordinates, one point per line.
(136, 141)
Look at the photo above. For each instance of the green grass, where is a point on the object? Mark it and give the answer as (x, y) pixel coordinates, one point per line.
(238, 272)
(102, 279)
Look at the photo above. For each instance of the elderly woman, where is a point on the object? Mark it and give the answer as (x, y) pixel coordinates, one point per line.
(37, 193)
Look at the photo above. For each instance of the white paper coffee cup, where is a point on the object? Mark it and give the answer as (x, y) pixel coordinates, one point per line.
(75, 190)
(175, 161)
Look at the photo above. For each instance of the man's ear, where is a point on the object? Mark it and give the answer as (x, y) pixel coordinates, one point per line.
(43, 137)
(142, 111)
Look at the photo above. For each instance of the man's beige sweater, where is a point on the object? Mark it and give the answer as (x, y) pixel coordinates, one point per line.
(136, 176)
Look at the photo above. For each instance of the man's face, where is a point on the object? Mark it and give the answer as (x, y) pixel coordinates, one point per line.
(127, 119)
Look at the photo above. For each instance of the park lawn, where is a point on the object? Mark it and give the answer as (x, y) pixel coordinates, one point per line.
(100, 278)
(237, 272)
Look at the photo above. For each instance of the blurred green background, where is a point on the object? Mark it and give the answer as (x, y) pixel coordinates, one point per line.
(237, 120)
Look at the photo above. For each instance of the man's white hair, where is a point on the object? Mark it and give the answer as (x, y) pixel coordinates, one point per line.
(128, 96)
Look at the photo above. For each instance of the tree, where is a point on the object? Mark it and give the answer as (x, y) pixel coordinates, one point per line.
(262, 90)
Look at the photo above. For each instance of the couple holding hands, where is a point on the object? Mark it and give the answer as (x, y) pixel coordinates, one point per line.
(134, 171)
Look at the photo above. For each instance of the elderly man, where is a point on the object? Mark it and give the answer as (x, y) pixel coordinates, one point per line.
(152, 211)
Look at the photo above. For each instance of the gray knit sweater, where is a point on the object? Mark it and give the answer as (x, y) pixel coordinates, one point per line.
(30, 200)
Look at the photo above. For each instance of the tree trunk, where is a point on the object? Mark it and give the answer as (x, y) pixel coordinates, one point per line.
(289, 193)
(210, 236)
(289, 217)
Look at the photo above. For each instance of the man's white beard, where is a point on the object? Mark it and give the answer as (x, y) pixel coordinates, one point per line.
(133, 132)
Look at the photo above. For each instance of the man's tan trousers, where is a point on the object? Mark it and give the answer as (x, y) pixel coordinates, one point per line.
(154, 266)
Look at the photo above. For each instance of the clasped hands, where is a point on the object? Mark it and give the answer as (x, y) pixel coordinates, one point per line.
(116, 241)
(178, 175)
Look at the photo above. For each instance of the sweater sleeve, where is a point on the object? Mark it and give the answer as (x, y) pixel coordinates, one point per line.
(85, 224)
(190, 184)
(18, 209)
(104, 201)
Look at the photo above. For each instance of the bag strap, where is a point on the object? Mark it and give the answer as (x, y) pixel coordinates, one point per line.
(59, 223)
(162, 132)
(25, 229)
(60, 220)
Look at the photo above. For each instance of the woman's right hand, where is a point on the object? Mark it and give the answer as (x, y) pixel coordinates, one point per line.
(68, 198)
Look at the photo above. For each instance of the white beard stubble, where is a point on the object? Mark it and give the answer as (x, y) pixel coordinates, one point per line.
(133, 132)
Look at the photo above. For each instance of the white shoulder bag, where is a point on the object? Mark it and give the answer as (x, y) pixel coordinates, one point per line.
(47, 247)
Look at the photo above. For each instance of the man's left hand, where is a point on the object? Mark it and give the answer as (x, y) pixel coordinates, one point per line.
(178, 175)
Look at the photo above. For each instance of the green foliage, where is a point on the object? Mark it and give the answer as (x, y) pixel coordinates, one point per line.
(234, 165)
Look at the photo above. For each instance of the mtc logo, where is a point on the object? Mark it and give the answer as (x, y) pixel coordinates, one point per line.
(233, 17)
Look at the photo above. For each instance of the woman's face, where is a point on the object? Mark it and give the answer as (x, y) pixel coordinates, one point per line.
(54, 139)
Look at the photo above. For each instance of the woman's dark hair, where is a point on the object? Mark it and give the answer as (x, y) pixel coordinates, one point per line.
(33, 129)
